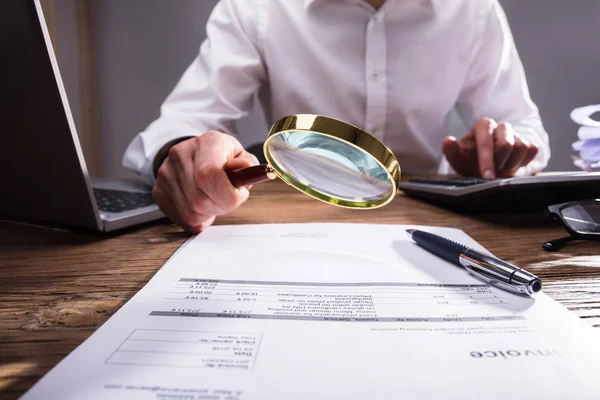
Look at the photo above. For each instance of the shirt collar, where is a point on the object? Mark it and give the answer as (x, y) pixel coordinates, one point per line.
(429, 4)
(307, 3)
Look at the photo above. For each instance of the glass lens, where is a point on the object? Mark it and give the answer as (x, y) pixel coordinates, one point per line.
(583, 218)
(336, 170)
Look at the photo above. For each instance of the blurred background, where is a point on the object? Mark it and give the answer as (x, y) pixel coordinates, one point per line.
(120, 59)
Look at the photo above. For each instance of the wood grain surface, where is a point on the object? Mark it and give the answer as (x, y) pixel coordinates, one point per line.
(58, 286)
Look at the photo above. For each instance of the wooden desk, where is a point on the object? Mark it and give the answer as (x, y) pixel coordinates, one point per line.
(57, 287)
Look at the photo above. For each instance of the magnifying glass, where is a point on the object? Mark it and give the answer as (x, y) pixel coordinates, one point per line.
(328, 159)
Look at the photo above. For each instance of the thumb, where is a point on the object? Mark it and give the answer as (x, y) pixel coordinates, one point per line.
(249, 156)
(239, 163)
(451, 150)
(237, 176)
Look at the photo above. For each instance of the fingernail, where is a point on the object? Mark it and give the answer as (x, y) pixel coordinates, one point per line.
(489, 174)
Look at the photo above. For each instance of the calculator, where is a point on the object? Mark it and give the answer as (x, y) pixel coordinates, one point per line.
(518, 194)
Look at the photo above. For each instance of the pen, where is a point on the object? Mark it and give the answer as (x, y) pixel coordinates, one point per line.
(485, 267)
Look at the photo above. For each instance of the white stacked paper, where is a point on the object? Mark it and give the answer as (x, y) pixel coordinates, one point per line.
(588, 145)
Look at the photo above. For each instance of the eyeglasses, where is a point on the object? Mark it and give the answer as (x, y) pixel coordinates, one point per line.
(580, 218)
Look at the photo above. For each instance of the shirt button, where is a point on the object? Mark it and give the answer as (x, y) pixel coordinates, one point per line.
(375, 75)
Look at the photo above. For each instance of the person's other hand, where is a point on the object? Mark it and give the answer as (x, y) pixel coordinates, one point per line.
(192, 186)
(489, 150)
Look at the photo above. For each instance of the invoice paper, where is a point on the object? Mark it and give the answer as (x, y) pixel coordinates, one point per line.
(327, 311)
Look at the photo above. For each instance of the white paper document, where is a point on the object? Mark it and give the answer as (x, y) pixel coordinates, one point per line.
(588, 145)
(327, 311)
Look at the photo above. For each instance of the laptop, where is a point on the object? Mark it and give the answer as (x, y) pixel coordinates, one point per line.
(518, 194)
(44, 175)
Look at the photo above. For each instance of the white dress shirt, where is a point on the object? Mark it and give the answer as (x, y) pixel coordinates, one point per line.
(399, 72)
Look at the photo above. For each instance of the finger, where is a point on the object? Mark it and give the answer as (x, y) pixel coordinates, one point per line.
(531, 153)
(168, 183)
(504, 141)
(483, 132)
(250, 157)
(462, 155)
(242, 162)
(517, 156)
(176, 205)
(451, 150)
(181, 157)
(165, 204)
(238, 163)
(208, 222)
(210, 158)
(467, 142)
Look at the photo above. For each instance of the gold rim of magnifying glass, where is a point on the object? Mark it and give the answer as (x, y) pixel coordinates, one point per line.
(344, 132)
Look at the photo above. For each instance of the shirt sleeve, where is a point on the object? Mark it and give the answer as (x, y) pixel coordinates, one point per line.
(496, 86)
(214, 92)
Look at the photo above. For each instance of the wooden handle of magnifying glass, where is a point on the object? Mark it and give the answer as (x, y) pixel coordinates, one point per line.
(251, 175)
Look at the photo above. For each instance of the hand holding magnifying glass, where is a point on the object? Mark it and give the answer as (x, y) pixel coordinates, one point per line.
(325, 158)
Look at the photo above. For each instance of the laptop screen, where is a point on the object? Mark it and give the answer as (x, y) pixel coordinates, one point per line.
(43, 168)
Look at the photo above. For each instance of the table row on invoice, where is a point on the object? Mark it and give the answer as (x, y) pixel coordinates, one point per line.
(337, 301)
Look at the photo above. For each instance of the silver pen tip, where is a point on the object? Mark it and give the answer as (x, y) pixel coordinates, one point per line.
(410, 232)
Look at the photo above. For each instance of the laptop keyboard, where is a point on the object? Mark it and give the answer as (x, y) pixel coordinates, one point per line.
(451, 182)
(118, 201)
